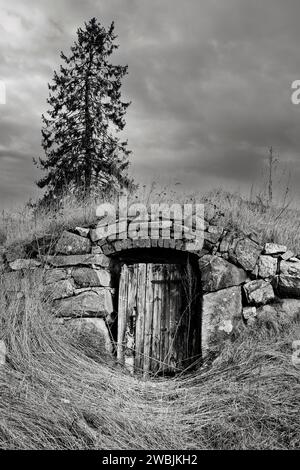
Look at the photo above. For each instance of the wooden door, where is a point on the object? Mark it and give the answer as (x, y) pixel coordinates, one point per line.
(158, 318)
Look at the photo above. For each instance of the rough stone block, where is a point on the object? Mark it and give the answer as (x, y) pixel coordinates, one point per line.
(95, 303)
(82, 231)
(154, 243)
(96, 250)
(211, 237)
(287, 255)
(267, 266)
(55, 275)
(166, 243)
(87, 277)
(74, 260)
(274, 249)
(121, 245)
(246, 253)
(72, 244)
(289, 278)
(209, 211)
(217, 273)
(249, 314)
(160, 243)
(94, 329)
(108, 248)
(19, 264)
(221, 311)
(172, 244)
(259, 292)
(58, 290)
(216, 230)
(178, 244)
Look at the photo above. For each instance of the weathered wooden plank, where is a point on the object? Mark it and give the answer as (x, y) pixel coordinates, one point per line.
(160, 283)
(130, 318)
(122, 311)
(140, 320)
(166, 318)
(186, 317)
(175, 305)
(156, 333)
(148, 320)
(180, 337)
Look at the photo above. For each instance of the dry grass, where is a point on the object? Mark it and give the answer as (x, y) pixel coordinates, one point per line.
(276, 223)
(53, 396)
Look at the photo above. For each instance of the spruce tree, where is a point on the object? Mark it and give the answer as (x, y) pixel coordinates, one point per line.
(79, 133)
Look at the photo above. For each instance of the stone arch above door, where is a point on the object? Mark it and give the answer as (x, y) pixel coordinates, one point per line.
(116, 242)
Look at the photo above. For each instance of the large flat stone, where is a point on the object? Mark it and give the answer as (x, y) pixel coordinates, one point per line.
(274, 249)
(217, 273)
(221, 311)
(287, 255)
(259, 292)
(289, 278)
(95, 303)
(75, 260)
(19, 264)
(88, 277)
(72, 244)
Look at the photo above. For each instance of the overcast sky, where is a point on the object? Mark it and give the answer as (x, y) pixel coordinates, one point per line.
(209, 80)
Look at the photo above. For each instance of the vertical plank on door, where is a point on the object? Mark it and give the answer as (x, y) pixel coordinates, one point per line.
(184, 336)
(174, 318)
(160, 313)
(122, 311)
(140, 320)
(148, 319)
(130, 318)
(156, 333)
(165, 318)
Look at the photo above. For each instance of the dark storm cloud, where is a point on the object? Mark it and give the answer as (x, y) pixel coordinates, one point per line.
(209, 83)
